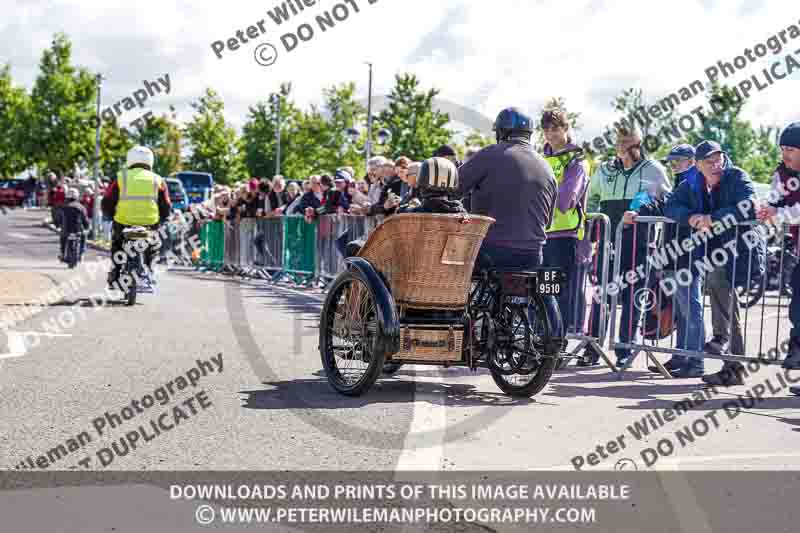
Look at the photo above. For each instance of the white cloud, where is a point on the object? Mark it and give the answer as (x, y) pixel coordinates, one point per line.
(485, 55)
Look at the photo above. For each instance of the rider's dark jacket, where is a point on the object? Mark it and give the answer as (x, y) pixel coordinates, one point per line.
(74, 218)
(513, 184)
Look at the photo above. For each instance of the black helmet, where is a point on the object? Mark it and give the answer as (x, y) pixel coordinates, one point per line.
(512, 121)
(437, 176)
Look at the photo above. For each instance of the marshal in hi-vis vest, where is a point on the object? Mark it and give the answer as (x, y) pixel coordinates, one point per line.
(138, 197)
(572, 220)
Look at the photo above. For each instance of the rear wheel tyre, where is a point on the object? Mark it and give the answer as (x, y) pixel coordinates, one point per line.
(351, 353)
(533, 376)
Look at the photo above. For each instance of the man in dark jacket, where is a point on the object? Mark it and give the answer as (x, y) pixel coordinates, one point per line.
(74, 220)
(511, 183)
(722, 197)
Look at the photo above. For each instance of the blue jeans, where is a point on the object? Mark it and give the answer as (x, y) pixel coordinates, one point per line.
(630, 317)
(689, 317)
(491, 256)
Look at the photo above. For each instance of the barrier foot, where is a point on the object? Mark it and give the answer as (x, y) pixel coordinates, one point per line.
(663, 371)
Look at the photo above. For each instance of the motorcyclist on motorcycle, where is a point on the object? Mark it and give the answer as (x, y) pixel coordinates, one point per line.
(511, 183)
(74, 220)
(137, 197)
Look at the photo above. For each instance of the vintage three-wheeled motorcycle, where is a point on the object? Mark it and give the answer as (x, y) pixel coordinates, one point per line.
(411, 297)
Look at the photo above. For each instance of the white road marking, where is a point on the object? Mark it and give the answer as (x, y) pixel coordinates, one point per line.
(16, 345)
(429, 415)
(16, 342)
(18, 235)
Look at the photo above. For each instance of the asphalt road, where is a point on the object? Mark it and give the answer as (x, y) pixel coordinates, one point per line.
(270, 407)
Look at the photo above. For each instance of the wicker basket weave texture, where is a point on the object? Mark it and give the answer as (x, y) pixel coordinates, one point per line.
(408, 250)
(430, 345)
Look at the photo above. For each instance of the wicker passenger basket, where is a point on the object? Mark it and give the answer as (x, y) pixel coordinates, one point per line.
(427, 259)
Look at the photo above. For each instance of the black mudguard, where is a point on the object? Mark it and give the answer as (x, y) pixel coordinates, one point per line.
(388, 320)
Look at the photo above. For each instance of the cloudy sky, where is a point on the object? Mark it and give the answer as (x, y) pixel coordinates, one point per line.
(482, 54)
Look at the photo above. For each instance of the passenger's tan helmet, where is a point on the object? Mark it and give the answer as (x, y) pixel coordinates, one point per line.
(437, 176)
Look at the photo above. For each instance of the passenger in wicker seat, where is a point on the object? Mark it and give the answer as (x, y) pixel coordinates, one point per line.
(437, 184)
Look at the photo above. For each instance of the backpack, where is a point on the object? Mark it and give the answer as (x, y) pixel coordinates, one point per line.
(655, 329)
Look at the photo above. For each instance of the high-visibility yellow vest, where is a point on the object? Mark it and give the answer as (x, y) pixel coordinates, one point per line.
(572, 220)
(138, 197)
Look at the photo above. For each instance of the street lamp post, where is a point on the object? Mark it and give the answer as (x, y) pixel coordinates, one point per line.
(368, 147)
(98, 197)
(277, 102)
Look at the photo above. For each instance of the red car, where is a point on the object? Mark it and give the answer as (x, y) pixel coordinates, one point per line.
(12, 192)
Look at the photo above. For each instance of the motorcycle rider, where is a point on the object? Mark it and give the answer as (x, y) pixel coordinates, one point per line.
(74, 220)
(511, 183)
(137, 197)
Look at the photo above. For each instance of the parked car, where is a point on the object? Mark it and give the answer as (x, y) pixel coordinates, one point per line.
(12, 192)
(177, 194)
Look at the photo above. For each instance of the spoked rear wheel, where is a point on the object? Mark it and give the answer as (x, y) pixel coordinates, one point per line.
(349, 336)
(521, 367)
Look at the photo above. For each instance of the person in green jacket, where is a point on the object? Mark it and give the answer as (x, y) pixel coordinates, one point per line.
(624, 184)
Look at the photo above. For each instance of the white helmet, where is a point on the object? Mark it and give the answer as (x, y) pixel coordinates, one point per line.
(141, 155)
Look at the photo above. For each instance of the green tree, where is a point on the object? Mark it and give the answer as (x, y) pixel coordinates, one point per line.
(14, 121)
(343, 112)
(417, 129)
(62, 105)
(474, 139)
(765, 156)
(163, 136)
(215, 147)
(258, 133)
(725, 125)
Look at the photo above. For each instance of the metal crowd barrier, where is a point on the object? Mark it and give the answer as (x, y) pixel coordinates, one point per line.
(282, 247)
(589, 318)
(212, 237)
(333, 228)
(660, 302)
(269, 244)
(231, 254)
(299, 248)
(247, 247)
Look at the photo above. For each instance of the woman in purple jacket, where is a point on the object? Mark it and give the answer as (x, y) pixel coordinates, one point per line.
(567, 227)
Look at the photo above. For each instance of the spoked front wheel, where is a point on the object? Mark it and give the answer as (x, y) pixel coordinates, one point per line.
(349, 332)
(520, 366)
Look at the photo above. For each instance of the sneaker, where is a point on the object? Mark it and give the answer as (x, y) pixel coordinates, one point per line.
(590, 357)
(688, 372)
(730, 375)
(792, 361)
(624, 361)
(671, 365)
(717, 346)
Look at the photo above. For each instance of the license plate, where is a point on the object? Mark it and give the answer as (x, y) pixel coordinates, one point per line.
(550, 282)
